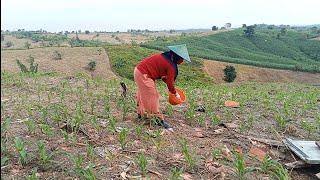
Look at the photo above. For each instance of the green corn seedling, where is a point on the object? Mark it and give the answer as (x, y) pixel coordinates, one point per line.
(308, 126)
(21, 149)
(44, 157)
(31, 125)
(123, 135)
(142, 162)
(157, 139)
(139, 131)
(176, 174)
(112, 124)
(33, 175)
(46, 129)
(90, 152)
(216, 153)
(240, 166)
(187, 154)
(65, 135)
(77, 161)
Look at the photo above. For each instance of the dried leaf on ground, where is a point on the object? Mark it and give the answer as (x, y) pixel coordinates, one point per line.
(233, 104)
(186, 176)
(227, 153)
(257, 152)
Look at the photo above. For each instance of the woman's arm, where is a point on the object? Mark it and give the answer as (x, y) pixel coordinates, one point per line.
(169, 80)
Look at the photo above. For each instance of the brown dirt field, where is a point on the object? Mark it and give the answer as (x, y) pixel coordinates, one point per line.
(18, 43)
(212, 32)
(73, 60)
(124, 38)
(250, 73)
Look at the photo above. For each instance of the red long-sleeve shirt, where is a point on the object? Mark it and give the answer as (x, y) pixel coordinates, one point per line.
(157, 67)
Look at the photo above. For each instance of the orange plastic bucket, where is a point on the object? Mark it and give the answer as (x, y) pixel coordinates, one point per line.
(174, 101)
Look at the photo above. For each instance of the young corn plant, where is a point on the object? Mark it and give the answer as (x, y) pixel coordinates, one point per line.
(94, 122)
(88, 173)
(31, 125)
(78, 119)
(106, 107)
(142, 162)
(5, 126)
(187, 154)
(65, 135)
(44, 157)
(44, 113)
(4, 161)
(112, 124)
(123, 138)
(77, 161)
(33, 175)
(125, 105)
(176, 174)
(90, 152)
(281, 121)
(46, 129)
(21, 149)
(267, 164)
(157, 139)
(309, 127)
(139, 131)
(216, 154)
(279, 172)
(240, 166)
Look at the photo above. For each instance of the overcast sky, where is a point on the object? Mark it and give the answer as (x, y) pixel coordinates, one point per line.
(114, 15)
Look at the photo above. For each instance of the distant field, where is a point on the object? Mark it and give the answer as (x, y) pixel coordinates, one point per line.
(73, 60)
(18, 43)
(250, 73)
(290, 51)
(123, 38)
(124, 58)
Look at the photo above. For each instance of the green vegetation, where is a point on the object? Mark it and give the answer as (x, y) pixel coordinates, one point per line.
(230, 74)
(292, 50)
(84, 118)
(92, 65)
(240, 166)
(187, 154)
(21, 149)
(56, 55)
(142, 163)
(46, 107)
(33, 67)
(124, 58)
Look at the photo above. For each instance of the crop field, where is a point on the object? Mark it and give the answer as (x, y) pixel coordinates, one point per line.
(292, 51)
(57, 127)
(247, 73)
(78, 126)
(18, 43)
(123, 38)
(73, 60)
(72, 120)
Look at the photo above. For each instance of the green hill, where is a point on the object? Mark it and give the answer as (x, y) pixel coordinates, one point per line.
(292, 50)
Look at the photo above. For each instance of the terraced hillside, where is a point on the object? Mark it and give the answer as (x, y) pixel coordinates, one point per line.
(291, 50)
